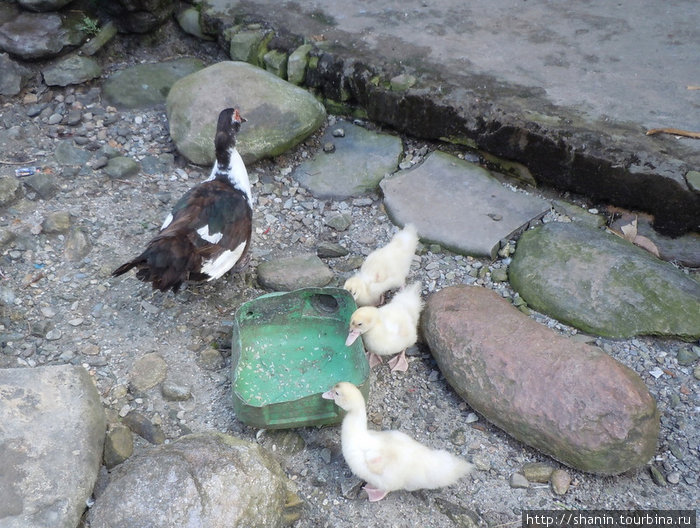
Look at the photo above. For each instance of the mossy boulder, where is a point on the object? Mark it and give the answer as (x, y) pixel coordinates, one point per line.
(279, 115)
(602, 284)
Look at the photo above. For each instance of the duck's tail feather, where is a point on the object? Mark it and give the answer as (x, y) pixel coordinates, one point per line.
(166, 263)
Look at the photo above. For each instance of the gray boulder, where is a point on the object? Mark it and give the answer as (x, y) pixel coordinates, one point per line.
(567, 399)
(208, 479)
(52, 428)
(603, 284)
(292, 273)
(14, 76)
(74, 69)
(139, 16)
(41, 35)
(280, 115)
(189, 20)
(358, 162)
(147, 84)
(43, 5)
(458, 205)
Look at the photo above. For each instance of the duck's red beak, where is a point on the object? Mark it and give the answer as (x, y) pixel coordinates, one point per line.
(237, 117)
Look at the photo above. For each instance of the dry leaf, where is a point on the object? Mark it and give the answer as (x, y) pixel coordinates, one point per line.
(644, 243)
(629, 231)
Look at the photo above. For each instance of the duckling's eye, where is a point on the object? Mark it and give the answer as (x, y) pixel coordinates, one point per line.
(359, 324)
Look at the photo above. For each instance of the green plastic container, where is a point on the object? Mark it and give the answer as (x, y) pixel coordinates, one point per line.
(289, 348)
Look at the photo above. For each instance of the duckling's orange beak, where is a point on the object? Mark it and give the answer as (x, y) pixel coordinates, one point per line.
(352, 336)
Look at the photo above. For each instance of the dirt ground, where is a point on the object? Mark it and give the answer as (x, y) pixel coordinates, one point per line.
(73, 311)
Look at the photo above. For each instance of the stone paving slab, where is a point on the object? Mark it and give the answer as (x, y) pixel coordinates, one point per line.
(568, 89)
(358, 162)
(459, 205)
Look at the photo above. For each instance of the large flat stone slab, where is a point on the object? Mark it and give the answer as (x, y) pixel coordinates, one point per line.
(357, 162)
(459, 205)
(565, 398)
(52, 428)
(280, 115)
(603, 284)
(532, 84)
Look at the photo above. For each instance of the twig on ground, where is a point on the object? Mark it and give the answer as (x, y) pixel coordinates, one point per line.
(674, 131)
(8, 162)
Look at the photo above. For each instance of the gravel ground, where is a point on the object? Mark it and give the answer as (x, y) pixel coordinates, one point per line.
(60, 307)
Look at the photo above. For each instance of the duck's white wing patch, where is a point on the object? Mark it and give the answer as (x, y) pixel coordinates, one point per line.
(215, 268)
(167, 221)
(214, 238)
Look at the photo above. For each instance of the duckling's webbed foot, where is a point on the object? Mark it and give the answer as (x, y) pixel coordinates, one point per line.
(399, 362)
(373, 359)
(374, 494)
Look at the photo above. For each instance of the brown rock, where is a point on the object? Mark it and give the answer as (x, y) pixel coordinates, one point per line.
(537, 472)
(567, 399)
(560, 481)
(119, 445)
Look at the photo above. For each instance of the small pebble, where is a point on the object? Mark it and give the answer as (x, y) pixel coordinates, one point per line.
(674, 477)
(211, 359)
(657, 476)
(472, 417)
(175, 392)
(458, 437)
(560, 481)
(329, 147)
(656, 372)
(481, 463)
(537, 471)
(518, 480)
(686, 357)
(53, 335)
(326, 455)
(339, 132)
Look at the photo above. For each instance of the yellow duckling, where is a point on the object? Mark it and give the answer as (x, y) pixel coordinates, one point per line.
(389, 329)
(384, 269)
(389, 460)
